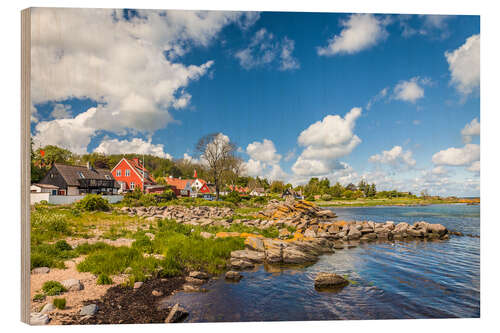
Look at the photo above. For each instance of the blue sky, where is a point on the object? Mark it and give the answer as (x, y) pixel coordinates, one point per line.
(393, 99)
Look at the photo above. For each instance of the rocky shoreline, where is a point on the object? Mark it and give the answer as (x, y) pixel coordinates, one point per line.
(306, 232)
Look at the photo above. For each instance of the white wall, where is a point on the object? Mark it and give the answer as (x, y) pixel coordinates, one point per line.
(68, 199)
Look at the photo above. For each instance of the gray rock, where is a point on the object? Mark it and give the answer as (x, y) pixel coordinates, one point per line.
(354, 234)
(293, 255)
(156, 293)
(309, 233)
(37, 318)
(176, 314)
(233, 275)
(438, 229)
(48, 308)
(255, 244)
(338, 245)
(89, 310)
(206, 235)
(248, 255)
(199, 275)
(138, 284)
(194, 281)
(40, 270)
(329, 280)
(72, 284)
(240, 264)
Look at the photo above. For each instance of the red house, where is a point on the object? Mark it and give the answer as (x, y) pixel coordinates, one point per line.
(131, 174)
(187, 187)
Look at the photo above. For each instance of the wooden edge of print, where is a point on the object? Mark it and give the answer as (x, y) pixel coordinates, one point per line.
(25, 165)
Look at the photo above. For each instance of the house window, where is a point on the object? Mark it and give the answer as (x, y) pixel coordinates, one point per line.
(118, 173)
(132, 185)
(127, 173)
(81, 175)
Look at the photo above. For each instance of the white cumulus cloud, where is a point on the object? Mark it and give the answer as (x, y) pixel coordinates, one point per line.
(457, 156)
(133, 146)
(396, 157)
(411, 90)
(61, 111)
(325, 141)
(464, 65)
(120, 64)
(471, 129)
(264, 151)
(360, 31)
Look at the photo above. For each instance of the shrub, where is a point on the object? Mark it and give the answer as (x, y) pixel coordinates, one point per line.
(259, 200)
(38, 297)
(59, 303)
(233, 197)
(93, 202)
(326, 197)
(62, 245)
(104, 279)
(52, 288)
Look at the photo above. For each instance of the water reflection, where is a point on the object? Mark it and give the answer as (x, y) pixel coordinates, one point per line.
(389, 280)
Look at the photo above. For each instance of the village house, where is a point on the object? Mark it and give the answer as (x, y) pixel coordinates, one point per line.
(240, 189)
(65, 179)
(131, 174)
(188, 187)
(258, 192)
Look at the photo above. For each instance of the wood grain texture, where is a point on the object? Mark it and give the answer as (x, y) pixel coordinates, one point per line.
(25, 161)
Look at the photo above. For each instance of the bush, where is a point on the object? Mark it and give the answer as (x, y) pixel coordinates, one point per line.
(326, 197)
(59, 303)
(109, 260)
(62, 245)
(233, 197)
(93, 202)
(38, 297)
(52, 288)
(104, 279)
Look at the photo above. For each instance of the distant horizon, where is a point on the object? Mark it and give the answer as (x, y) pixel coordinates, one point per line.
(392, 99)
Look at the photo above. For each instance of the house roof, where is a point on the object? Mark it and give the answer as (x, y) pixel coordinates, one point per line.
(70, 173)
(178, 183)
(139, 169)
(259, 190)
(49, 186)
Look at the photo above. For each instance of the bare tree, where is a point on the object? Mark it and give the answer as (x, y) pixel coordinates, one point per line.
(218, 153)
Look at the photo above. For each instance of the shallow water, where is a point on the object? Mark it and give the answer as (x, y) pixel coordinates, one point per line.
(415, 279)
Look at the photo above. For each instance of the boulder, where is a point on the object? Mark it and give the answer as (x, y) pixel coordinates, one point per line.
(338, 245)
(194, 281)
(309, 233)
(329, 280)
(156, 293)
(233, 275)
(176, 314)
(248, 255)
(240, 264)
(138, 284)
(326, 213)
(72, 284)
(206, 235)
(255, 244)
(40, 270)
(49, 307)
(292, 255)
(37, 318)
(89, 310)
(415, 232)
(438, 229)
(389, 225)
(354, 234)
(199, 275)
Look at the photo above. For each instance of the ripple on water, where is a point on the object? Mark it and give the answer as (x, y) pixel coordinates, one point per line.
(390, 280)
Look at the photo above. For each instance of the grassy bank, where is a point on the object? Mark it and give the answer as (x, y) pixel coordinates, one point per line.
(162, 248)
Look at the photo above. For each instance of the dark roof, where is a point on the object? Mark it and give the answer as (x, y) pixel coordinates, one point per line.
(70, 173)
(46, 186)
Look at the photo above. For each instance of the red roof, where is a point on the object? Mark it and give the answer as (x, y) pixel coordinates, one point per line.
(178, 183)
(140, 169)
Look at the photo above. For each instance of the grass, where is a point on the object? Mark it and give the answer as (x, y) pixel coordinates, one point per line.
(181, 247)
(59, 303)
(52, 288)
(104, 279)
